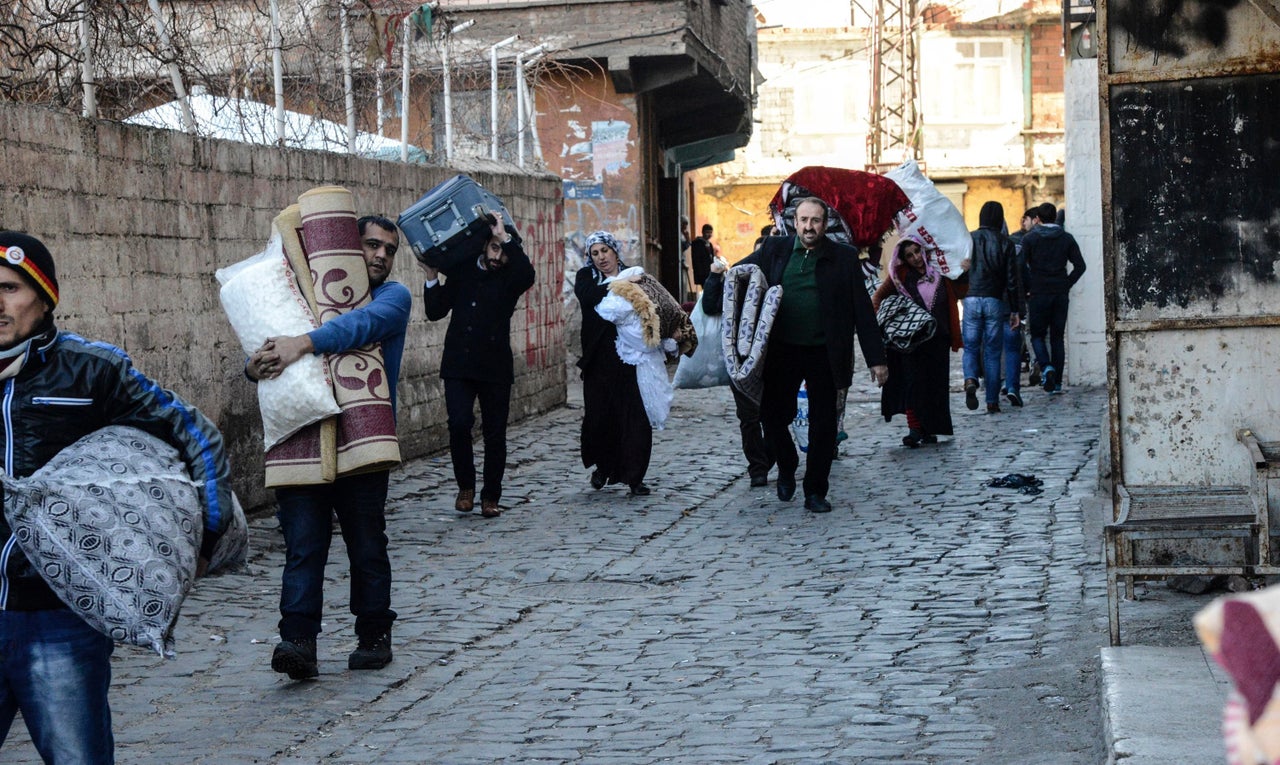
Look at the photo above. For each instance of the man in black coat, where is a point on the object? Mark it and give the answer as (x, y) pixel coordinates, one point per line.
(476, 363)
(824, 302)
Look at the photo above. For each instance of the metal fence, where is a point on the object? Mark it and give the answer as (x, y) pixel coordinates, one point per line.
(338, 75)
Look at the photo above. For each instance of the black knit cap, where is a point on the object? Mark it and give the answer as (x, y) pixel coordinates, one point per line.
(29, 257)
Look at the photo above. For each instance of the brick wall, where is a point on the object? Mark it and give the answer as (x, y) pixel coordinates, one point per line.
(1047, 76)
(139, 219)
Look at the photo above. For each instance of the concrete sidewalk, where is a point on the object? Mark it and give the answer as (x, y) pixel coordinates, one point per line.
(1163, 705)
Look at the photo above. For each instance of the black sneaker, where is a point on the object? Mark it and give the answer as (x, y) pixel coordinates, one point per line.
(373, 652)
(296, 658)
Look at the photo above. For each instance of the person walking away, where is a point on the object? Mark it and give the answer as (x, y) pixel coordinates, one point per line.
(57, 388)
(1047, 251)
(919, 381)
(476, 363)
(359, 501)
(992, 302)
(701, 253)
(824, 304)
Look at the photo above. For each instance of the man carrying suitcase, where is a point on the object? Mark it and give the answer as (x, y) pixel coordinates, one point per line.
(482, 293)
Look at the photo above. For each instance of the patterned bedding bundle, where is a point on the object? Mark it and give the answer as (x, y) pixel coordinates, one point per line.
(750, 306)
(113, 524)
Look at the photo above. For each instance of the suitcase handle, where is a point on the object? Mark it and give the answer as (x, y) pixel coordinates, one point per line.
(435, 222)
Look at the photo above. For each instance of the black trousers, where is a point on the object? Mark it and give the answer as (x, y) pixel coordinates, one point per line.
(755, 447)
(785, 367)
(495, 402)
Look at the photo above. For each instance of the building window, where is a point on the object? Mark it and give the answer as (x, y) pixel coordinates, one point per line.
(970, 80)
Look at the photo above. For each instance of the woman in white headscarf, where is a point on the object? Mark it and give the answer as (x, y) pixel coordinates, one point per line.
(629, 322)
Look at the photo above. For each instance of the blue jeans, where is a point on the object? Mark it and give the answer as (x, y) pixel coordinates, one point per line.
(306, 518)
(495, 402)
(983, 333)
(1013, 358)
(56, 669)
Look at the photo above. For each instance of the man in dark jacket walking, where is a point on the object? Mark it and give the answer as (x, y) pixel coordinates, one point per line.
(824, 302)
(1047, 250)
(993, 300)
(476, 363)
(55, 388)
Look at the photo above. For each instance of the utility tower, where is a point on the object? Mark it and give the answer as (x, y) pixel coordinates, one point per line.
(895, 130)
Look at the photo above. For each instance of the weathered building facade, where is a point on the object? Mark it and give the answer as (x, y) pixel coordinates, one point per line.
(991, 93)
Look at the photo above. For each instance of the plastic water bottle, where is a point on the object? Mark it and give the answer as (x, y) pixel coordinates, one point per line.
(800, 425)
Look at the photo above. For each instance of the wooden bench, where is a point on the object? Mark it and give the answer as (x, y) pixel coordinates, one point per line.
(1180, 512)
(1265, 456)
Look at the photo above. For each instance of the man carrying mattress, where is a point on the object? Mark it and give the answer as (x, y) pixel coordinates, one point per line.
(824, 304)
(359, 500)
(56, 387)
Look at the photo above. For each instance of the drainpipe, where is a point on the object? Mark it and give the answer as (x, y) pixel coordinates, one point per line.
(1028, 140)
(532, 53)
(348, 86)
(493, 94)
(179, 90)
(277, 70)
(90, 93)
(448, 90)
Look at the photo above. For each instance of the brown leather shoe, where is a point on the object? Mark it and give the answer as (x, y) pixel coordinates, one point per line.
(466, 501)
(489, 508)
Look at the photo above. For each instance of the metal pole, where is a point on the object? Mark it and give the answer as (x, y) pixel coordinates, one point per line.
(277, 70)
(162, 32)
(404, 97)
(90, 92)
(520, 106)
(493, 94)
(347, 84)
(378, 70)
(448, 98)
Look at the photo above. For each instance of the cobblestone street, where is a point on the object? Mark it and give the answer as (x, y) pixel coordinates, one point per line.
(929, 619)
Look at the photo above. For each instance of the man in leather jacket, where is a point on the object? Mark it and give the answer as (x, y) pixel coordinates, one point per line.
(994, 299)
(55, 388)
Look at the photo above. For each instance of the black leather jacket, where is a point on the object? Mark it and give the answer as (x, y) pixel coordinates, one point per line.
(69, 387)
(993, 269)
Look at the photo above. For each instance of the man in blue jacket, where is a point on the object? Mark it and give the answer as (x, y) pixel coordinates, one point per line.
(476, 363)
(1047, 250)
(55, 388)
(359, 501)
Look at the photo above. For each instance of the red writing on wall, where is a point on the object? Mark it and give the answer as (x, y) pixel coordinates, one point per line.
(544, 320)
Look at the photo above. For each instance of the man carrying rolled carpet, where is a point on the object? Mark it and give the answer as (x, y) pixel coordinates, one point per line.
(359, 501)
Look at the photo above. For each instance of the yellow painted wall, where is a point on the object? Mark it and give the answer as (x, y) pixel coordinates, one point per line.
(736, 212)
(983, 190)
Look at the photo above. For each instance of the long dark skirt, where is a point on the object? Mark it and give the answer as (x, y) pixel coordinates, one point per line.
(616, 436)
(921, 381)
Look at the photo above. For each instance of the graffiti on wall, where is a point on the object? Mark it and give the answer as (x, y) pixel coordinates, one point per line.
(596, 195)
(543, 317)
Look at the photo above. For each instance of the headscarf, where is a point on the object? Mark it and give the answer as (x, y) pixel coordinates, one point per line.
(927, 284)
(607, 239)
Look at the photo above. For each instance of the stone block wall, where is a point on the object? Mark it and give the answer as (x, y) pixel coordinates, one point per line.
(138, 220)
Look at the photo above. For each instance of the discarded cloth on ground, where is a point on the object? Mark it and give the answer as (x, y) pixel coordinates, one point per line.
(261, 298)
(750, 306)
(1241, 632)
(1025, 483)
(113, 523)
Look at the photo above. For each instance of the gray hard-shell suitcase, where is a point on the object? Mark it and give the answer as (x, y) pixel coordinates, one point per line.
(451, 223)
